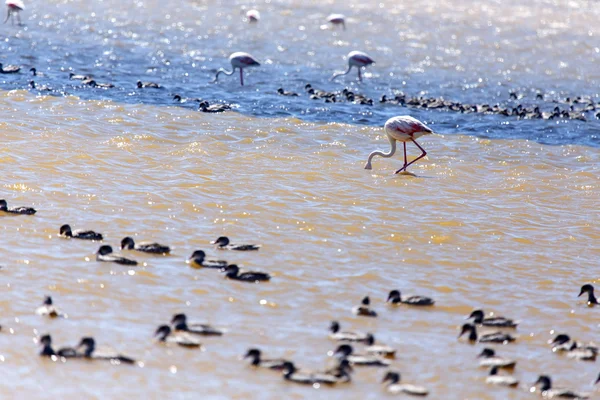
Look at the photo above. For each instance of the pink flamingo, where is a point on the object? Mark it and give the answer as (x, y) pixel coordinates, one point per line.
(337, 19)
(14, 6)
(402, 129)
(356, 59)
(253, 16)
(238, 60)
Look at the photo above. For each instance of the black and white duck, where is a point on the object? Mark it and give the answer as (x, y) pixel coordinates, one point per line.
(90, 352)
(9, 69)
(291, 374)
(283, 92)
(496, 322)
(48, 309)
(233, 272)
(562, 343)
(378, 349)
(490, 359)
(204, 106)
(48, 351)
(393, 385)
(544, 386)
(364, 308)
(76, 77)
(395, 298)
(337, 334)
(256, 360)
(150, 85)
(223, 243)
(180, 323)
(198, 260)
(165, 334)
(346, 351)
(16, 210)
(589, 289)
(105, 254)
(180, 99)
(65, 231)
(501, 380)
(39, 88)
(146, 247)
(495, 337)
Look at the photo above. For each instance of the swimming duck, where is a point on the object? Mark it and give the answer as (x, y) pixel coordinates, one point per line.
(233, 272)
(346, 351)
(146, 247)
(76, 77)
(500, 380)
(363, 309)
(179, 322)
(42, 88)
(579, 351)
(48, 351)
(9, 69)
(198, 259)
(89, 345)
(95, 84)
(47, 308)
(496, 337)
(180, 338)
(180, 99)
(589, 289)
(34, 72)
(223, 243)
(341, 371)
(498, 322)
(490, 359)
(283, 92)
(392, 379)
(379, 349)
(16, 210)
(346, 336)
(151, 85)
(257, 361)
(395, 298)
(290, 373)
(204, 106)
(66, 231)
(545, 386)
(104, 254)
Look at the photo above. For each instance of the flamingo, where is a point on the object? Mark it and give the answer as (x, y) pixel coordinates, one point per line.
(356, 59)
(14, 6)
(253, 15)
(337, 19)
(239, 60)
(402, 129)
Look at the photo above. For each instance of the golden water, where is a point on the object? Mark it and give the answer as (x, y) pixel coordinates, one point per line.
(510, 226)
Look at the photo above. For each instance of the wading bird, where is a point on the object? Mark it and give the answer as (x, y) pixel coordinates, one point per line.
(239, 60)
(14, 7)
(402, 129)
(337, 19)
(356, 59)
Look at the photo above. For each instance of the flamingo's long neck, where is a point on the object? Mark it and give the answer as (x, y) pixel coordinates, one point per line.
(224, 71)
(341, 73)
(381, 153)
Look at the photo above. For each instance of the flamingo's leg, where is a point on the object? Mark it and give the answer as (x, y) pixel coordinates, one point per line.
(19, 19)
(359, 75)
(7, 15)
(423, 154)
(242, 76)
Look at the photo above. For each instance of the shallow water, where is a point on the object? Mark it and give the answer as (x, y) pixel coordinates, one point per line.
(478, 211)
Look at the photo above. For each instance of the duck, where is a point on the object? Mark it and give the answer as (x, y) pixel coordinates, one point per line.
(47, 308)
(89, 352)
(42, 88)
(497, 322)
(146, 247)
(9, 69)
(501, 380)
(562, 344)
(150, 85)
(204, 106)
(34, 72)
(198, 259)
(341, 371)
(393, 385)
(16, 210)
(544, 383)
(165, 334)
(65, 231)
(179, 323)
(180, 99)
(100, 85)
(589, 289)
(346, 351)
(104, 254)
(76, 77)
(223, 243)
(283, 92)
(395, 298)
(495, 337)
(378, 349)
(256, 361)
(363, 309)
(291, 374)
(490, 359)
(335, 334)
(48, 351)
(233, 272)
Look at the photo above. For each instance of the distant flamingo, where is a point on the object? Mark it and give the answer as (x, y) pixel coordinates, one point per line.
(402, 129)
(253, 16)
(356, 59)
(337, 19)
(14, 6)
(239, 60)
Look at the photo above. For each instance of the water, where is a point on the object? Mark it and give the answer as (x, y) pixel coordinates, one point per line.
(287, 173)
